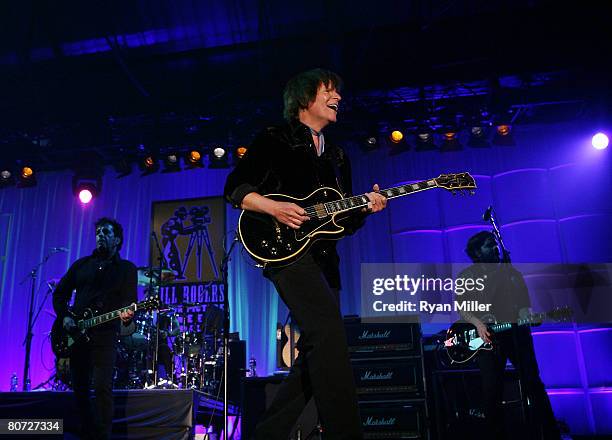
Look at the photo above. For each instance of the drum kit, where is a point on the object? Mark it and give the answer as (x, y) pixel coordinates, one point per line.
(191, 359)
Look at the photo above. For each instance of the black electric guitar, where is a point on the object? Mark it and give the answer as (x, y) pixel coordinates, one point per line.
(274, 244)
(63, 341)
(462, 342)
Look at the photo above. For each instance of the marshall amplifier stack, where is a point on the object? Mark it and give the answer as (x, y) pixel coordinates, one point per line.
(387, 361)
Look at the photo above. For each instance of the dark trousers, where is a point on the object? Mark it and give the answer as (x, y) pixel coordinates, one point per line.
(94, 360)
(516, 345)
(322, 369)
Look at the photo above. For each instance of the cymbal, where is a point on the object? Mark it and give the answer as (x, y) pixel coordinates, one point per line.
(145, 274)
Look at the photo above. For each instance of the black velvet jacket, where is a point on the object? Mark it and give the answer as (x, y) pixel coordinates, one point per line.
(282, 159)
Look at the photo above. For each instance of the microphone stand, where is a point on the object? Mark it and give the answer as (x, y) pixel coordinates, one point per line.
(226, 326)
(161, 259)
(489, 216)
(31, 320)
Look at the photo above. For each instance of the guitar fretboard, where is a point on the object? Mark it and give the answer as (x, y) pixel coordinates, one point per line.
(101, 319)
(361, 201)
(503, 326)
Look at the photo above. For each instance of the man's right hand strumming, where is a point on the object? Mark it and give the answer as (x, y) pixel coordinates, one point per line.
(483, 331)
(286, 213)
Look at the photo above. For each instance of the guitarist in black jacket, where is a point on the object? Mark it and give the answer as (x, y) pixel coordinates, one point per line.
(295, 159)
(506, 290)
(103, 282)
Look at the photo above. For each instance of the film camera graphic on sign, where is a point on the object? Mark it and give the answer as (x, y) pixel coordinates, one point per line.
(191, 237)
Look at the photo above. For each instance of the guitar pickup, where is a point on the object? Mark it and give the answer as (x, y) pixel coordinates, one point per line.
(320, 210)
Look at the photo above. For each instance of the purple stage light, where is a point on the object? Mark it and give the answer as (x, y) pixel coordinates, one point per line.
(85, 196)
(600, 141)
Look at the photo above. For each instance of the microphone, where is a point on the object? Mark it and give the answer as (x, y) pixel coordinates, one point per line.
(487, 214)
(59, 249)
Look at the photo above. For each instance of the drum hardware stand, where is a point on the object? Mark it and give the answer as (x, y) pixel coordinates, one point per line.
(162, 263)
(226, 326)
(32, 319)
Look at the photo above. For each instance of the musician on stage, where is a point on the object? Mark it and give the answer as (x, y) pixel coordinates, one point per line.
(105, 282)
(506, 290)
(295, 159)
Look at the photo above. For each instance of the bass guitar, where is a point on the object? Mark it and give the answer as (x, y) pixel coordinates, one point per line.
(462, 342)
(273, 244)
(63, 341)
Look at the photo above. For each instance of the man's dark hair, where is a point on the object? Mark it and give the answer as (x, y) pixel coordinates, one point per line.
(475, 242)
(301, 90)
(117, 228)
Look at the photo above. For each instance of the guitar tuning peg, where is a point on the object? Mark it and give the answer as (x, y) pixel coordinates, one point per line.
(472, 192)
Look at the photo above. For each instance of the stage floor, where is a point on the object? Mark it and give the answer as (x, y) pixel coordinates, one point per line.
(139, 414)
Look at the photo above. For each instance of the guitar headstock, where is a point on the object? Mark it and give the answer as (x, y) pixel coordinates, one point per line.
(457, 183)
(150, 303)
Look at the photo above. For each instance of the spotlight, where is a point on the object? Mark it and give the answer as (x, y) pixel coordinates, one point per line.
(6, 178)
(600, 141)
(27, 172)
(477, 132)
(171, 163)
(425, 140)
(450, 136)
(503, 130)
(369, 143)
(27, 177)
(370, 140)
(148, 164)
(396, 136)
(218, 158)
(219, 152)
(503, 135)
(450, 140)
(86, 186)
(123, 167)
(241, 151)
(85, 196)
(398, 143)
(478, 137)
(194, 159)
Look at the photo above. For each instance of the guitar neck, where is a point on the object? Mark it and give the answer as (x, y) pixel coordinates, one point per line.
(362, 201)
(503, 326)
(533, 318)
(106, 317)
